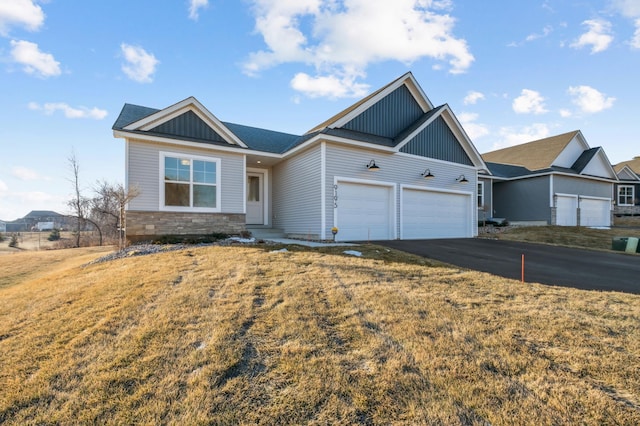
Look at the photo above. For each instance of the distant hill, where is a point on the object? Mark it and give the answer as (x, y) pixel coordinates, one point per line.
(32, 218)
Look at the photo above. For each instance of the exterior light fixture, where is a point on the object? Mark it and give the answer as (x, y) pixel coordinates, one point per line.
(372, 166)
(462, 179)
(427, 174)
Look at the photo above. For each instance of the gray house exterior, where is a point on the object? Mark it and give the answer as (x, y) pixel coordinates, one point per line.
(627, 191)
(552, 181)
(390, 166)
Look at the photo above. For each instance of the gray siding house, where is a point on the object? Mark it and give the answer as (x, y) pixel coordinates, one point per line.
(553, 181)
(390, 166)
(627, 200)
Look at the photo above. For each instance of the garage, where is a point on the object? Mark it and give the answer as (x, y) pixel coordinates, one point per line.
(364, 212)
(435, 214)
(595, 212)
(566, 210)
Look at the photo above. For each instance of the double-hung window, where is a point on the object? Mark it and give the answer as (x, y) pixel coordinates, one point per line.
(189, 183)
(625, 195)
(480, 195)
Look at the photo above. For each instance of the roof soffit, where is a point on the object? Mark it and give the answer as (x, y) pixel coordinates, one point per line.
(190, 104)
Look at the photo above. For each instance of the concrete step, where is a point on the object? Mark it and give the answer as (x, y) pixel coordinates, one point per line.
(266, 233)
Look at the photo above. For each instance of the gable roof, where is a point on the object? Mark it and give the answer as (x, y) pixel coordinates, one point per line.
(536, 155)
(548, 155)
(634, 165)
(397, 118)
(625, 173)
(354, 110)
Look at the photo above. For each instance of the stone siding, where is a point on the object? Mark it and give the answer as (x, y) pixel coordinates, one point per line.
(146, 225)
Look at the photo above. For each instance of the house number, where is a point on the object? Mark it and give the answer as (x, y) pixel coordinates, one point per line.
(335, 196)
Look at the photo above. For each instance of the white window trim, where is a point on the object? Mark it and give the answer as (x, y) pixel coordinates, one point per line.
(481, 206)
(191, 157)
(633, 195)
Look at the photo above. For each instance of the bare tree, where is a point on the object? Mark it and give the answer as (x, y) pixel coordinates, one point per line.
(78, 203)
(110, 203)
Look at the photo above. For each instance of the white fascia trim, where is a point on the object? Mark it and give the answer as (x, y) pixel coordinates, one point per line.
(345, 141)
(189, 104)
(126, 169)
(198, 145)
(611, 181)
(407, 80)
(551, 191)
(561, 194)
(244, 186)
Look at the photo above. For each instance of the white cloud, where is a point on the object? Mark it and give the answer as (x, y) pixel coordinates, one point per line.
(473, 97)
(510, 136)
(195, 6)
(3, 186)
(545, 32)
(24, 173)
(328, 86)
(565, 113)
(140, 65)
(529, 102)
(590, 100)
(629, 8)
(24, 13)
(341, 38)
(34, 61)
(474, 130)
(635, 41)
(69, 112)
(598, 37)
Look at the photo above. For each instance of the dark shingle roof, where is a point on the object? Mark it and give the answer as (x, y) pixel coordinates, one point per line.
(261, 139)
(507, 170)
(130, 114)
(584, 159)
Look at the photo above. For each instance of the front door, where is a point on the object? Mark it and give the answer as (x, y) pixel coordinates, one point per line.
(255, 199)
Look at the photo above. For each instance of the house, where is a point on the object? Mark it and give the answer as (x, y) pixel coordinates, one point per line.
(627, 201)
(558, 180)
(3, 226)
(391, 166)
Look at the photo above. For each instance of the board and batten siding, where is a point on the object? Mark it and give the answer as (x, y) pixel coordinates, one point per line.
(143, 171)
(582, 186)
(523, 200)
(400, 169)
(296, 194)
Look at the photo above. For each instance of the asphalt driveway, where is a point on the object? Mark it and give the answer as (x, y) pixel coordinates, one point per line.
(545, 264)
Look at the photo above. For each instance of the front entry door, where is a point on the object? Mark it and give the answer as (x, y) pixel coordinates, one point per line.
(255, 199)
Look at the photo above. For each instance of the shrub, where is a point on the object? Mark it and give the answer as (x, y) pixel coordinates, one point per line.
(13, 242)
(54, 235)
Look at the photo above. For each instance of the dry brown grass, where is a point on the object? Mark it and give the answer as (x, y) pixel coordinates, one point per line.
(599, 239)
(233, 335)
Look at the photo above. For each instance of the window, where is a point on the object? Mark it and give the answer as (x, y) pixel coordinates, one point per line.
(189, 183)
(480, 195)
(625, 195)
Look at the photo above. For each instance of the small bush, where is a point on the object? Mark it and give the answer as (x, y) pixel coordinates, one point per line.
(54, 235)
(190, 239)
(13, 242)
(1, 238)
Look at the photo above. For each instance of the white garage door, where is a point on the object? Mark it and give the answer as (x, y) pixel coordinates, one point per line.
(430, 214)
(364, 212)
(566, 210)
(595, 212)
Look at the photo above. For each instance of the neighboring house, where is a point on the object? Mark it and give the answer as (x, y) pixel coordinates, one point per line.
(554, 181)
(3, 226)
(628, 189)
(391, 166)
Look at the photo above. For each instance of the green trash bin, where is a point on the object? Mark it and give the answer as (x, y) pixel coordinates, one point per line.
(619, 243)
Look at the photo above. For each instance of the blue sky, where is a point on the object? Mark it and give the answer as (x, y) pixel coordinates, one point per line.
(511, 71)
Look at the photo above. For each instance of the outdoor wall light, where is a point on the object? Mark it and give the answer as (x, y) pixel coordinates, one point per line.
(427, 174)
(462, 179)
(372, 166)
